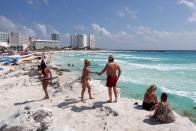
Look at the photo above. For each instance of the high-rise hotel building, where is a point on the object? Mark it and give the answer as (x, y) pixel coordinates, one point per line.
(91, 41)
(82, 41)
(18, 40)
(55, 36)
(4, 39)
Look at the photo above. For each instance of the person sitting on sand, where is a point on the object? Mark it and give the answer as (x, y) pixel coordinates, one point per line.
(163, 111)
(150, 98)
(85, 80)
(45, 80)
(111, 69)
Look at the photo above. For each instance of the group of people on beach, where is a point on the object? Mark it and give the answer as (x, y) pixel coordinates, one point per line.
(162, 109)
(113, 73)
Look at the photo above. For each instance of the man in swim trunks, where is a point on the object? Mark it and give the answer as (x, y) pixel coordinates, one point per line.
(47, 77)
(111, 69)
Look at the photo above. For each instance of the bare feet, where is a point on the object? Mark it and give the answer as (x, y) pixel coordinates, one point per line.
(109, 101)
(115, 99)
(83, 101)
(46, 97)
(91, 97)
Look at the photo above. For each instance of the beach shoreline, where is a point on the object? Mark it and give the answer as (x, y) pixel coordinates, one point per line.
(20, 89)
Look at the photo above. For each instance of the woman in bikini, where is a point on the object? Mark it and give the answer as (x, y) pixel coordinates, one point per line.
(45, 80)
(85, 80)
(150, 98)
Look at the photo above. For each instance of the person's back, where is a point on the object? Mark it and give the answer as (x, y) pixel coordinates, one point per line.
(112, 68)
(46, 73)
(163, 111)
(85, 73)
(150, 98)
(47, 77)
(113, 73)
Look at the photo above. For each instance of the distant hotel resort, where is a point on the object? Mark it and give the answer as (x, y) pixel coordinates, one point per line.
(82, 41)
(20, 41)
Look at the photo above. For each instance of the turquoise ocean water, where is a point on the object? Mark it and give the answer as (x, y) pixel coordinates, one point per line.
(173, 72)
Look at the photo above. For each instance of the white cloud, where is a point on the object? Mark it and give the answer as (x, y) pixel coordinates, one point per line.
(6, 24)
(26, 30)
(37, 3)
(79, 28)
(45, 30)
(152, 35)
(127, 12)
(157, 36)
(9, 26)
(42, 28)
(52, 29)
(191, 4)
(45, 1)
(101, 30)
(192, 18)
(143, 37)
(114, 36)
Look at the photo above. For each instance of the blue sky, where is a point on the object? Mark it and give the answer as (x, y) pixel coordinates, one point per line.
(117, 24)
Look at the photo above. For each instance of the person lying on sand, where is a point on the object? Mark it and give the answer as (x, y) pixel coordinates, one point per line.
(111, 69)
(85, 80)
(150, 98)
(163, 111)
(45, 80)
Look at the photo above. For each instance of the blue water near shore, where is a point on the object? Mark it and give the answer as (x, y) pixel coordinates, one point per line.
(173, 72)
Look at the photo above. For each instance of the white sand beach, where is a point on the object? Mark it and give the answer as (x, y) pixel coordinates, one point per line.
(22, 107)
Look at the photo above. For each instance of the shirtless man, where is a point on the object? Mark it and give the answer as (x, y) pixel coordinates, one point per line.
(47, 77)
(111, 70)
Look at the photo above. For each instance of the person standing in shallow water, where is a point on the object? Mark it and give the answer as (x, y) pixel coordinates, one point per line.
(113, 73)
(45, 80)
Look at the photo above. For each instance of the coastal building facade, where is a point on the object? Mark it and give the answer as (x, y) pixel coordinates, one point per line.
(4, 39)
(55, 36)
(41, 44)
(18, 40)
(91, 41)
(82, 41)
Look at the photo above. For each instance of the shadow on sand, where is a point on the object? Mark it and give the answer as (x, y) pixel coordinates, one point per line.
(67, 102)
(25, 102)
(82, 108)
(139, 107)
(152, 121)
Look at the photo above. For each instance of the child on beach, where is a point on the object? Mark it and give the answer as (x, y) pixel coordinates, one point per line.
(85, 80)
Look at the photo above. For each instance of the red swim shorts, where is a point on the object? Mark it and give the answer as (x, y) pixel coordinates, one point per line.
(111, 81)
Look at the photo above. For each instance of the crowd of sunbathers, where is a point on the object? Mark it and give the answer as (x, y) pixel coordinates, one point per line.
(162, 109)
